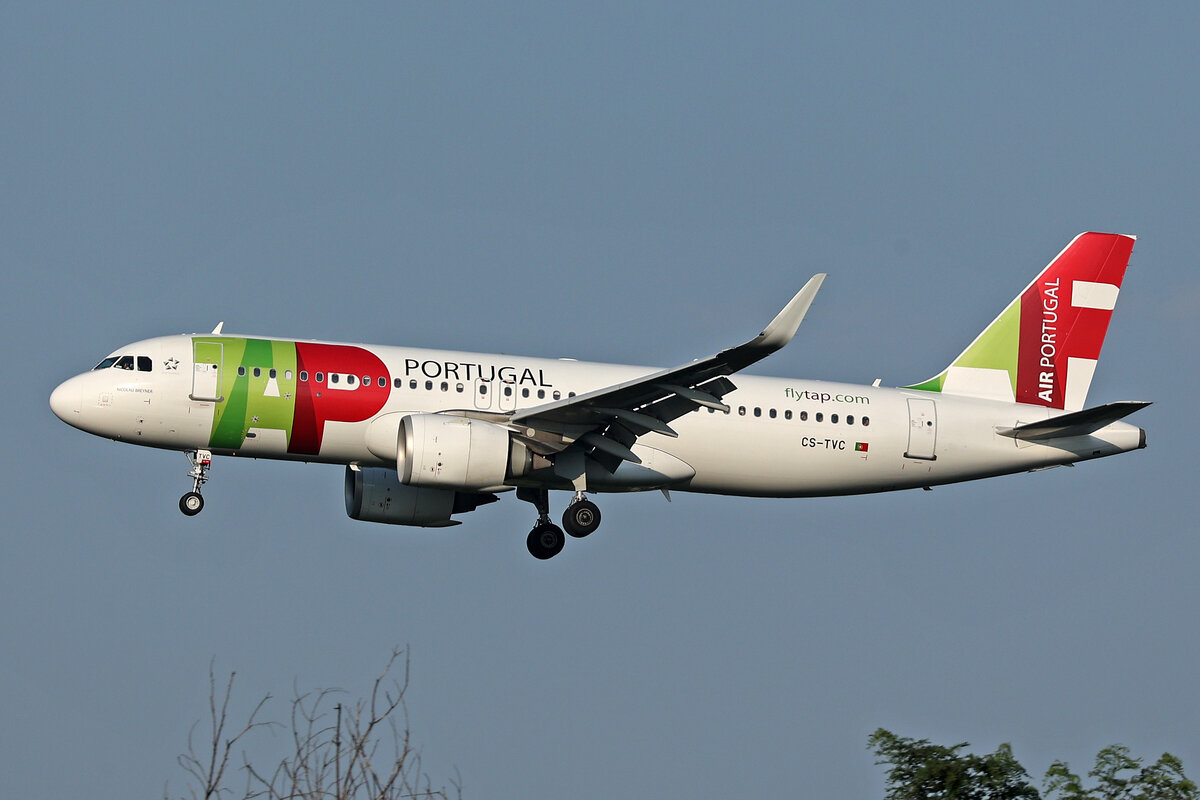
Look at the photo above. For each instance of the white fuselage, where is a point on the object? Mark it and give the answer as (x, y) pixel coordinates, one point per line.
(780, 438)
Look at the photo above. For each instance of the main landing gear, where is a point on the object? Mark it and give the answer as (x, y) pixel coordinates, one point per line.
(546, 540)
(192, 503)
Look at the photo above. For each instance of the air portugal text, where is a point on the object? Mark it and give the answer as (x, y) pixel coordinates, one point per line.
(1049, 339)
(467, 371)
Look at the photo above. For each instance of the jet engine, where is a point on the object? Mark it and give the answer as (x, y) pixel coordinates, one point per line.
(436, 450)
(376, 495)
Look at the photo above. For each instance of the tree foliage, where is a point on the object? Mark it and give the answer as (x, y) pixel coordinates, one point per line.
(337, 751)
(1120, 776)
(921, 770)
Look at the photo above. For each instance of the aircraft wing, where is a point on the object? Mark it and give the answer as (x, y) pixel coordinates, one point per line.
(608, 421)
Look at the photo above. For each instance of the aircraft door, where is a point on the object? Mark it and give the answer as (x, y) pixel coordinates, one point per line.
(922, 429)
(206, 371)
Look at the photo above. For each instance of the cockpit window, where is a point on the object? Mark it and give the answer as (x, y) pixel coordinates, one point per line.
(124, 362)
(106, 363)
(144, 364)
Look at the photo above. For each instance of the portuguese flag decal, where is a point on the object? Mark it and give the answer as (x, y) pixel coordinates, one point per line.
(860, 447)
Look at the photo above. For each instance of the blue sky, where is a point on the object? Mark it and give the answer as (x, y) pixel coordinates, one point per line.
(642, 185)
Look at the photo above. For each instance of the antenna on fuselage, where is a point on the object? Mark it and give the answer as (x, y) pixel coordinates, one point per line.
(220, 325)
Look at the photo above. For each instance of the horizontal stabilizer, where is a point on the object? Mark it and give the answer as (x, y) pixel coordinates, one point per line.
(1077, 423)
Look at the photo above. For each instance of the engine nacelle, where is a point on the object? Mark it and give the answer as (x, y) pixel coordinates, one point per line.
(376, 495)
(437, 450)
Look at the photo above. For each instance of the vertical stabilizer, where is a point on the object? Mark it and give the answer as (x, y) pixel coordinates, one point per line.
(1044, 346)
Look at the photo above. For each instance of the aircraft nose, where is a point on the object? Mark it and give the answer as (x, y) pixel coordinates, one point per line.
(65, 401)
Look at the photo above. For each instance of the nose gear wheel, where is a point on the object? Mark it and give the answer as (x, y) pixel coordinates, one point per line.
(192, 503)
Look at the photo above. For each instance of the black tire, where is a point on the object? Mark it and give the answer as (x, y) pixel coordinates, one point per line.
(545, 541)
(191, 504)
(581, 519)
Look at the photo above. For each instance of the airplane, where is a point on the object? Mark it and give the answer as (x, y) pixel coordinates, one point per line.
(426, 435)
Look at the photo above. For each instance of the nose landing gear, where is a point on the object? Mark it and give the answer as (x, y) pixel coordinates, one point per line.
(192, 503)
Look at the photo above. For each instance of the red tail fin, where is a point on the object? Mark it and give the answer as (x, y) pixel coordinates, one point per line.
(1064, 317)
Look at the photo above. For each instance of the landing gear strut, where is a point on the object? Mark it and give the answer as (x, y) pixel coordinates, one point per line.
(546, 540)
(192, 503)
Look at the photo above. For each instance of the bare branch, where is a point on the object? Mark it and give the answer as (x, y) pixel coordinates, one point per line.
(337, 751)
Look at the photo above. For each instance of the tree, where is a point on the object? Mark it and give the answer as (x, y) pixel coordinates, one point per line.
(337, 751)
(1119, 776)
(921, 770)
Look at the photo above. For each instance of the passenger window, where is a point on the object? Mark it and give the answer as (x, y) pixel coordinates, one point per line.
(350, 379)
(541, 394)
(525, 392)
(570, 394)
(412, 384)
(787, 414)
(144, 364)
(304, 376)
(741, 411)
(125, 362)
(429, 386)
(866, 421)
(382, 382)
(820, 417)
(241, 372)
(771, 413)
(849, 419)
(557, 394)
(507, 391)
(757, 411)
(287, 374)
(804, 416)
(397, 383)
(482, 389)
(445, 386)
(833, 418)
(257, 372)
(366, 380)
(271, 373)
(320, 377)
(334, 377)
